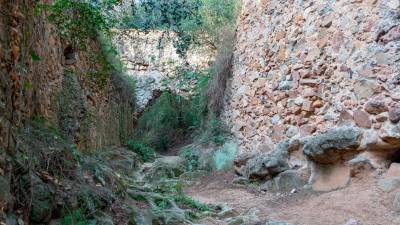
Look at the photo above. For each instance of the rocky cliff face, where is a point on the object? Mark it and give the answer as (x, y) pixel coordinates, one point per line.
(306, 69)
(151, 59)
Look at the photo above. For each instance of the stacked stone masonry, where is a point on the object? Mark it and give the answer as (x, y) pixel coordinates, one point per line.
(302, 68)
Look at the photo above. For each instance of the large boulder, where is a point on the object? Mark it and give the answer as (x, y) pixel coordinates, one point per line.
(331, 146)
(265, 166)
(285, 182)
(329, 177)
(241, 161)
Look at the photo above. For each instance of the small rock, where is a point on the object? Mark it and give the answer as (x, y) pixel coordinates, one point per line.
(275, 119)
(309, 92)
(345, 116)
(382, 117)
(390, 133)
(394, 113)
(307, 129)
(278, 132)
(249, 217)
(395, 96)
(375, 107)
(285, 85)
(307, 106)
(362, 119)
(292, 131)
(364, 88)
(317, 104)
(310, 82)
(226, 212)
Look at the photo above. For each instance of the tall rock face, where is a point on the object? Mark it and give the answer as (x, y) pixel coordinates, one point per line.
(44, 78)
(151, 58)
(302, 68)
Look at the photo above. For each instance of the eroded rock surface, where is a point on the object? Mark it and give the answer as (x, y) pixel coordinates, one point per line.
(329, 147)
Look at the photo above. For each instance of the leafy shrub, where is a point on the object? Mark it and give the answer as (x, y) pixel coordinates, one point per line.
(168, 15)
(78, 20)
(144, 152)
(221, 70)
(169, 118)
(188, 201)
(192, 156)
(194, 21)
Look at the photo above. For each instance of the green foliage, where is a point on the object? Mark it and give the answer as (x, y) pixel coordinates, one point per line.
(144, 152)
(225, 156)
(194, 21)
(167, 15)
(169, 117)
(78, 20)
(218, 21)
(34, 55)
(192, 156)
(174, 193)
(214, 131)
(76, 218)
(188, 201)
(174, 116)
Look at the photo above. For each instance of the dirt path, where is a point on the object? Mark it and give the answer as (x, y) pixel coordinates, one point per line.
(361, 201)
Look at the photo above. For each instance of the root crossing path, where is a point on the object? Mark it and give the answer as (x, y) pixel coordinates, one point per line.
(361, 203)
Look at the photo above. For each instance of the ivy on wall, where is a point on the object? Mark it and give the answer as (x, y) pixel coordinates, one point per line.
(78, 20)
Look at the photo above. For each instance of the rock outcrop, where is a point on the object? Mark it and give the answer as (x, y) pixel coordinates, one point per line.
(151, 59)
(330, 146)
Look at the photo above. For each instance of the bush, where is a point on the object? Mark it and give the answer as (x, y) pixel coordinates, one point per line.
(144, 152)
(78, 20)
(194, 21)
(167, 121)
(222, 70)
(192, 156)
(76, 218)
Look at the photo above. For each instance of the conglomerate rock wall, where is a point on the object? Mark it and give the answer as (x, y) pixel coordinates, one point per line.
(303, 67)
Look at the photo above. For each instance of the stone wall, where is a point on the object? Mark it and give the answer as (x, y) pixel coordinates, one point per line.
(303, 67)
(43, 77)
(151, 59)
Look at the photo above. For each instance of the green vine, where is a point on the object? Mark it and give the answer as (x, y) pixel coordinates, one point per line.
(78, 20)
